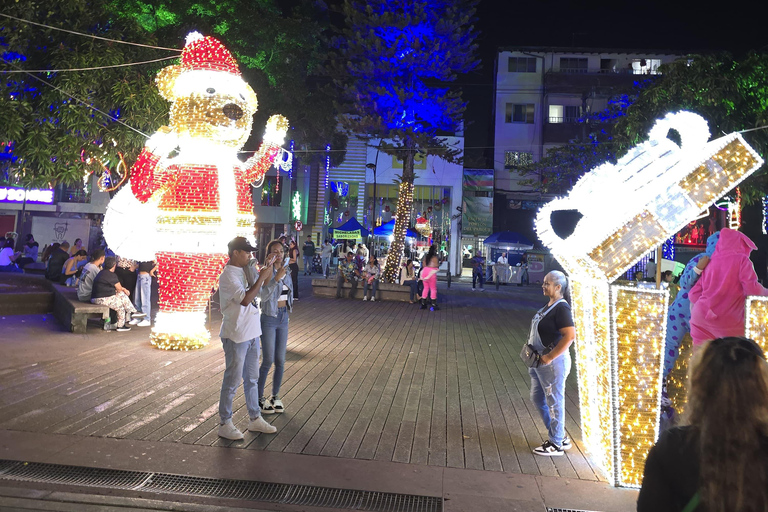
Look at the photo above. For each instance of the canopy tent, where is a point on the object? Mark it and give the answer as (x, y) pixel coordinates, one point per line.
(388, 228)
(509, 241)
(349, 230)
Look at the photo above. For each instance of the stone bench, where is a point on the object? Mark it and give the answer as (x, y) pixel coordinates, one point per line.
(37, 267)
(22, 294)
(74, 314)
(386, 291)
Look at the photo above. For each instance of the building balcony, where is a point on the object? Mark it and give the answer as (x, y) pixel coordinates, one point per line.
(559, 133)
(578, 81)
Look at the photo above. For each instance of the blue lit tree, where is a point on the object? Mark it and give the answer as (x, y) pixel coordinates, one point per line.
(394, 63)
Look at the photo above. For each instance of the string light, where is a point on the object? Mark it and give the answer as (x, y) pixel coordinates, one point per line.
(756, 325)
(402, 219)
(189, 184)
(648, 196)
(677, 380)
(327, 164)
(734, 211)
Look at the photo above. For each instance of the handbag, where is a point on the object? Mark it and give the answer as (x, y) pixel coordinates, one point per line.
(530, 357)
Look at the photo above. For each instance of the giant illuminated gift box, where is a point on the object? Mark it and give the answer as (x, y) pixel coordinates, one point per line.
(627, 210)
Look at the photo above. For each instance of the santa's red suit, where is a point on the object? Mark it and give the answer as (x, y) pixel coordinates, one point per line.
(189, 180)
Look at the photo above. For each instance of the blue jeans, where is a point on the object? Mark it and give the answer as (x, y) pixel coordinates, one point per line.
(143, 294)
(308, 264)
(326, 264)
(475, 277)
(242, 360)
(375, 287)
(548, 395)
(414, 284)
(274, 342)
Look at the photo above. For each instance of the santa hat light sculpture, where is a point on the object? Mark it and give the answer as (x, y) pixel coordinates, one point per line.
(189, 194)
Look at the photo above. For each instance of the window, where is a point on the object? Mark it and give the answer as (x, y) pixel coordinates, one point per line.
(573, 65)
(514, 159)
(645, 66)
(555, 113)
(519, 113)
(521, 65)
(572, 114)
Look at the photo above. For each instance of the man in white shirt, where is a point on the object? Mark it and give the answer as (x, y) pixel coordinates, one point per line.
(240, 331)
(325, 256)
(503, 259)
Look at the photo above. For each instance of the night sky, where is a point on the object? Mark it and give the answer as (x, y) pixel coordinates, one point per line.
(669, 25)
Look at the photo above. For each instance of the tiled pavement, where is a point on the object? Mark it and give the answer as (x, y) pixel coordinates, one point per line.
(377, 381)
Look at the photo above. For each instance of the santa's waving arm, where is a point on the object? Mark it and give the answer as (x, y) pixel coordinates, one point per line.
(274, 137)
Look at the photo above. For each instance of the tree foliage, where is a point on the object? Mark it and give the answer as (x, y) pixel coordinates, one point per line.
(279, 53)
(394, 61)
(39, 115)
(731, 94)
(281, 50)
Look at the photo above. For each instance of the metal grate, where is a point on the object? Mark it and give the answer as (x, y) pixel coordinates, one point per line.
(75, 475)
(5, 465)
(306, 495)
(550, 509)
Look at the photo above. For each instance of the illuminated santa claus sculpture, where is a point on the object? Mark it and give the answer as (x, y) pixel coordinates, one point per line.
(189, 194)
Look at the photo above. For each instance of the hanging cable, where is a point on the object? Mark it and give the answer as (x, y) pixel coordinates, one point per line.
(89, 35)
(113, 118)
(6, 71)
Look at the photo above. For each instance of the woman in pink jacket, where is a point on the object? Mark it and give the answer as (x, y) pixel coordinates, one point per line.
(717, 299)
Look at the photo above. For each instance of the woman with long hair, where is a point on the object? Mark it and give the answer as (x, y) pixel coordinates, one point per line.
(276, 305)
(293, 264)
(718, 462)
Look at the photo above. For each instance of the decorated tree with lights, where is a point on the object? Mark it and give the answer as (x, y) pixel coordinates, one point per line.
(394, 62)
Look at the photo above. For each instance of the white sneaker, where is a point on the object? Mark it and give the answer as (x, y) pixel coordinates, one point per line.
(373, 299)
(144, 323)
(138, 315)
(265, 404)
(134, 321)
(229, 431)
(259, 425)
(365, 299)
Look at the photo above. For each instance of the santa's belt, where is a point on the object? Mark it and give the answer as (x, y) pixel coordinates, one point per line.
(204, 220)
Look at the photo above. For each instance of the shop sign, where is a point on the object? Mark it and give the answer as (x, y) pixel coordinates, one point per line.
(16, 195)
(346, 235)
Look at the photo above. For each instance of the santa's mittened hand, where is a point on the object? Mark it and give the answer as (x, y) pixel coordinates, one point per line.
(162, 142)
(277, 127)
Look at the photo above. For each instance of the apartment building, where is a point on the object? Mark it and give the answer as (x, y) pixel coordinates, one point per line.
(542, 96)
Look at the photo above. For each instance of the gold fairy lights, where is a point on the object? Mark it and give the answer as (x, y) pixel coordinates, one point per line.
(190, 188)
(402, 219)
(627, 210)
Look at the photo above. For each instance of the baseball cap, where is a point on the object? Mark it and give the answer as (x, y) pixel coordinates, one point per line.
(240, 243)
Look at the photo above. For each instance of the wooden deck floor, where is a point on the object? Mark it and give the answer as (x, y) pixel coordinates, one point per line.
(383, 381)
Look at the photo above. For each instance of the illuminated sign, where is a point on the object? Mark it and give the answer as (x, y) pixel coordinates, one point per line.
(16, 195)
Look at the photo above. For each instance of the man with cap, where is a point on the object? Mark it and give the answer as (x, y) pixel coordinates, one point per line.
(240, 331)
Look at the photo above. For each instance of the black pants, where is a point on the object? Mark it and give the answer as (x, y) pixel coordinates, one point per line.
(340, 285)
(127, 280)
(295, 278)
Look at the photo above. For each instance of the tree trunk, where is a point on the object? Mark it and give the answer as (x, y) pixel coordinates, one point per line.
(403, 216)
